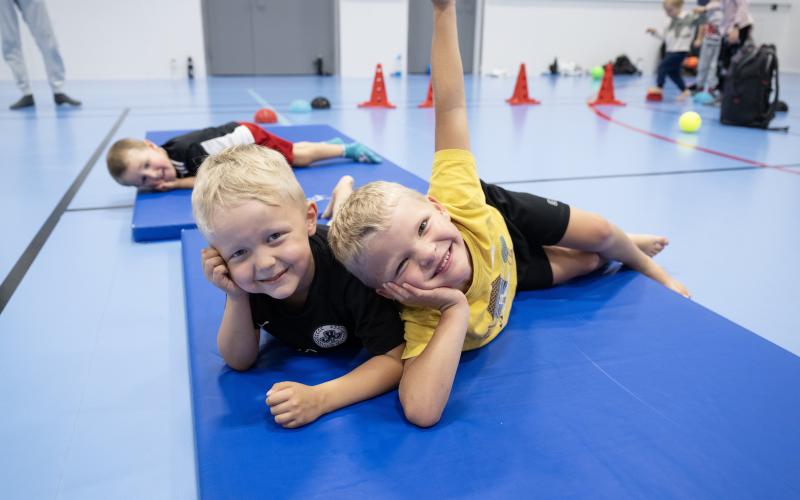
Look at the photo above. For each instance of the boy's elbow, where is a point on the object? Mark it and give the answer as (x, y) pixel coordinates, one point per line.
(238, 361)
(239, 365)
(420, 412)
(423, 418)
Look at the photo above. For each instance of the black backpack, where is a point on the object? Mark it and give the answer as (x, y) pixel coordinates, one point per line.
(748, 87)
(624, 66)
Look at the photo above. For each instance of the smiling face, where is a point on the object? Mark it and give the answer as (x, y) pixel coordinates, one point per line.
(266, 248)
(148, 167)
(421, 247)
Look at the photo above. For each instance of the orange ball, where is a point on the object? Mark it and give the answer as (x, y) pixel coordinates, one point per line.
(690, 62)
(265, 115)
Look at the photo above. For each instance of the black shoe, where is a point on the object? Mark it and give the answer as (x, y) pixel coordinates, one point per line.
(25, 101)
(62, 98)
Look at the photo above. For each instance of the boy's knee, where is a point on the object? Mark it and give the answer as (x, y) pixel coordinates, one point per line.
(602, 232)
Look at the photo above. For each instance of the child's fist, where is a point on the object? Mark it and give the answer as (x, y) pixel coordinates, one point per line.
(294, 404)
(216, 272)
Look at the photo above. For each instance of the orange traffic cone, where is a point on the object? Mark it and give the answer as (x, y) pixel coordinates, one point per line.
(606, 94)
(378, 99)
(521, 89)
(428, 102)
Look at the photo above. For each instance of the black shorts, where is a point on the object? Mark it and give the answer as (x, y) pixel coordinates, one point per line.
(533, 222)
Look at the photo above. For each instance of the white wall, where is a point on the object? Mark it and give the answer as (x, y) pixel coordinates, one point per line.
(112, 39)
(371, 32)
(591, 32)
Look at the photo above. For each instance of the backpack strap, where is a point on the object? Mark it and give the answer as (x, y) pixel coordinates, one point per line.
(774, 103)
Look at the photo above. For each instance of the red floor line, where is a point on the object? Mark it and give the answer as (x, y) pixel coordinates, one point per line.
(608, 118)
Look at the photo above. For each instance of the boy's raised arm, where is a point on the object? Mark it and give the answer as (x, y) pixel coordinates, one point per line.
(447, 76)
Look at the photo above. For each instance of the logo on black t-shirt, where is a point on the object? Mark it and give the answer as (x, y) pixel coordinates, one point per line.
(330, 336)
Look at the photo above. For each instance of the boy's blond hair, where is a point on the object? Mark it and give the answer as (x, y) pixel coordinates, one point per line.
(117, 157)
(242, 173)
(366, 212)
(674, 3)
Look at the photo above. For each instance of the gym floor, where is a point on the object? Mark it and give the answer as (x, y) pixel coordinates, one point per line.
(93, 366)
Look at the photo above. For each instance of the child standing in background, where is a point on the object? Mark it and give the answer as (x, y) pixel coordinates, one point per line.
(709, 39)
(677, 37)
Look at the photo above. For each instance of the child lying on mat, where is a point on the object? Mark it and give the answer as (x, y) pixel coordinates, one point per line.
(274, 263)
(456, 257)
(174, 164)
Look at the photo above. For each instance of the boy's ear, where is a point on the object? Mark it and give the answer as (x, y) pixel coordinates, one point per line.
(311, 217)
(155, 147)
(441, 208)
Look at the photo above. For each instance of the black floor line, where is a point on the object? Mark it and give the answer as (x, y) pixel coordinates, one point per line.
(642, 174)
(88, 209)
(19, 270)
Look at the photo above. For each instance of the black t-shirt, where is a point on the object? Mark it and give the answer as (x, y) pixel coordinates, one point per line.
(340, 312)
(186, 151)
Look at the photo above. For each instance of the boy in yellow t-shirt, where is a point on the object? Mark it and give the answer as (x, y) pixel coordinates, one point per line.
(455, 258)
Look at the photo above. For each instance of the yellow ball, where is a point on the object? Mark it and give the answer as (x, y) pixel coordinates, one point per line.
(690, 122)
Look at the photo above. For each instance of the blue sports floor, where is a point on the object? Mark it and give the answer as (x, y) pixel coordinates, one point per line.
(93, 368)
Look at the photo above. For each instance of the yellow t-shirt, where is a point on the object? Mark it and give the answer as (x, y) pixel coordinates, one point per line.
(455, 184)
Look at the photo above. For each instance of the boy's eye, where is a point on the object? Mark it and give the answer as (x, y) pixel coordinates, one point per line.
(237, 253)
(273, 237)
(423, 225)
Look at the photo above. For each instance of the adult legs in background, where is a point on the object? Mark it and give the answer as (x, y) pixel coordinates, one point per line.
(35, 15)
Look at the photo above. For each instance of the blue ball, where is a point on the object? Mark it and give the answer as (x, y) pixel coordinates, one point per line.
(300, 106)
(703, 98)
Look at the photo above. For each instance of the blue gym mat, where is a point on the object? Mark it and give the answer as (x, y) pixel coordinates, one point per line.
(162, 216)
(609, 387)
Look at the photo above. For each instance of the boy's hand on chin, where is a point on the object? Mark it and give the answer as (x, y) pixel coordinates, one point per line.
(294, 404)
(216, 271)
(438, 298)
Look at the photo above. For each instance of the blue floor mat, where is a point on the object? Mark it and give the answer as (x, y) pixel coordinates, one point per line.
(610, 386)
(162, 216)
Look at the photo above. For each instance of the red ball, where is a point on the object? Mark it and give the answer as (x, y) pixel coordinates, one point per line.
(266, 115)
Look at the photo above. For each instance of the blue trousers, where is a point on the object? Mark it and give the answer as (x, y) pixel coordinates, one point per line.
(670, 67)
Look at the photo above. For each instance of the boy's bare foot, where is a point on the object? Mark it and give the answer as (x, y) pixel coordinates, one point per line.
(677, 286)
(683, 95)
(650, 244)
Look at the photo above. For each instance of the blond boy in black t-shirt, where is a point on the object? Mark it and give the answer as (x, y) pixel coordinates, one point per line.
(273, 262)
